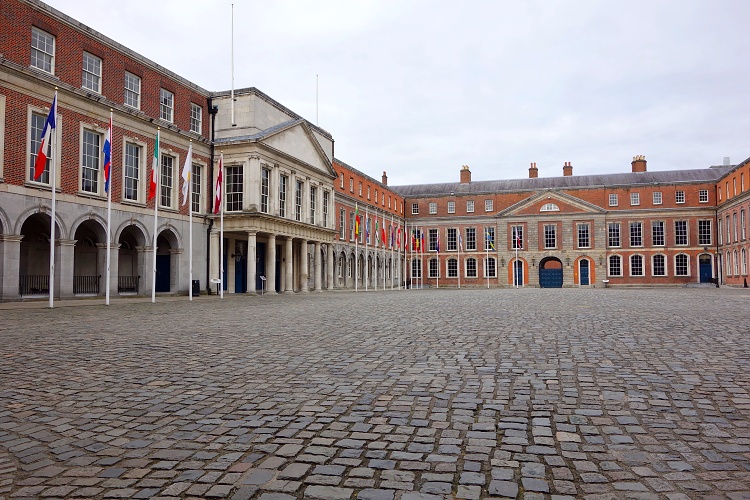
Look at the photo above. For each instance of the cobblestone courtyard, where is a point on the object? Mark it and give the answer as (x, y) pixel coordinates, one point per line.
(419, 394)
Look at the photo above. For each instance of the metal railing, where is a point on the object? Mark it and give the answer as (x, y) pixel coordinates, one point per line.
(86, 284)
(128, 284)
(33, 284)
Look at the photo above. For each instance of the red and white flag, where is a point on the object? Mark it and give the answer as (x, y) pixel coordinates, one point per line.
(219, 182)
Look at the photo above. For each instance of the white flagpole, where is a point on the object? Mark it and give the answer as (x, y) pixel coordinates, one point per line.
(53, 182)
(190, 219)
(421, 259)
(515, 265)
(487, 256)
(458, 264)
(109, 204)
(393, 242)
(384, 245)
(356, 249)
(156, 214)
(438, 258)
(221, 232)
(232, 92)
(367, 257)
(375, 249)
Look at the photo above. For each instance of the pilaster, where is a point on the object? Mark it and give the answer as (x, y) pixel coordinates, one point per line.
(288, 267)
(271, 264)
(318, 267)
(10, 260)
(252, 252)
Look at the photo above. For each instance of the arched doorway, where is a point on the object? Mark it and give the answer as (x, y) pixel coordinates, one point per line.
(33, 268)
(705, 269)
(583, 272)
(89, 258)
(166, 267)
(517, 273)
(550, 273)
(129, 259)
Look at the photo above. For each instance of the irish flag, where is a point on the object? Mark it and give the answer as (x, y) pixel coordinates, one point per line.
(356, 221)
(154, 169)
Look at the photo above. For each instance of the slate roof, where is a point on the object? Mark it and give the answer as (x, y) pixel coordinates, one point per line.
(567, 182)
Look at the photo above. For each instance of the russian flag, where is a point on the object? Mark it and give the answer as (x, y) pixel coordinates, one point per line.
(107, 156)
(49, 125)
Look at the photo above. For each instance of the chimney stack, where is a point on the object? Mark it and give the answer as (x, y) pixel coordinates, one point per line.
(385, 179)
(465, 175)
(533, 171)
(639, 163)
(567, 169)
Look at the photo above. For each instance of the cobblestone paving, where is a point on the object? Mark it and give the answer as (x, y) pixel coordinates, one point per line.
(410, 395)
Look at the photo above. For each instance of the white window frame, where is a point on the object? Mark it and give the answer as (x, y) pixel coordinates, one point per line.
(654, 267)
(141, 146)
(635, 199)
(33, 149)
(657, 198)
(475, 272)
(662, 235)
(433, 268)
(175, 183)
(91, 72)
(196, 118)
(630, 265)
(451, 207)
(433, 207)
(236, 198)
(486, 265)
(631, 226)
(132, 90)
(415, 208)
(488, 205)
(679, 197)
(613, 200)
(681, 224)
(100, 133)
(451, 268)
(2, 135)
(705, 239)
(610, 227)
(676, 258)
(166, 105)
(703, 196)
(579, 227)
(550, 229)
(609, 265)
(35, 48)
(469, 206)
(197, 180)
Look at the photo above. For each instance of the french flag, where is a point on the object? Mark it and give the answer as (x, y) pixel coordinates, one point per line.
(107, 156)
(49, 125)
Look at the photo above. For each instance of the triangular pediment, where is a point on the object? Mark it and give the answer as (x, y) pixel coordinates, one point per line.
(297, 141)
(551, 203)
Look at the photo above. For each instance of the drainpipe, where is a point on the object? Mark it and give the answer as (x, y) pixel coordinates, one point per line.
(212, 110)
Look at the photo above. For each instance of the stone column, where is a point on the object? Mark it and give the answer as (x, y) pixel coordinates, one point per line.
(318, 267)
(330, 268)
(252, 252)
(303, 275)
(175, 275)
(64, 257)
(271, 264)
(215, 256)
(10, 260)
(251, 172)
(288, 265)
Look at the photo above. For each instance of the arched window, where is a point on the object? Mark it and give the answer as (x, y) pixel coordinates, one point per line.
(434, 268)
(549, 207)
(471, 267)
(681, 265)
(659, 265)
(728, 263)
(736, 264)
(490, 269)
(452, 266)
(416, 268)
(615, 265)
(636, 265)
(744, 261)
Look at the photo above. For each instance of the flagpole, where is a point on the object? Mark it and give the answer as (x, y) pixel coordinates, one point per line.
(384, 246)
(53, 182)
(155, 165)
(357, 230)
(232, 92)
(438, 259)
(393, 241)
(221, 235)
(108, 183)
(487, 255)
(375, 250)
(458, 264)
(189, 202)
(515, 265)
(367, 257)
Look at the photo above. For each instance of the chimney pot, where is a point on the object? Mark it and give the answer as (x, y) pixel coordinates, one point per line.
(639, 163)
(533, 171)
(385, 179)
(465, 175)
(567, 169)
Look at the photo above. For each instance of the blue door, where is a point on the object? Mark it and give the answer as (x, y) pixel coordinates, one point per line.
(704, 264)
(240, 267)
(550, 273)
(162, 273)
(584, 272)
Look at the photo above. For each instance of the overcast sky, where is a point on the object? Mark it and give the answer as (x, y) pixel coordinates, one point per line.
(419, 88)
